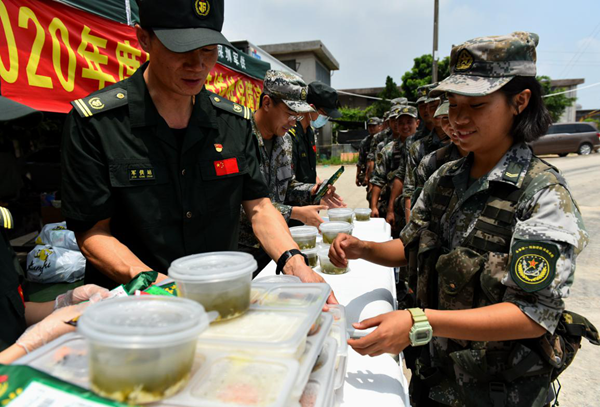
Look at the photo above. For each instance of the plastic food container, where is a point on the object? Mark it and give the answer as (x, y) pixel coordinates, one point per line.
(141, 349)
(314, 346)
(305, 236)
(327, 267)
(65, 358)
(232, 380)
(339, 334)
(362, 214)
(331, 229)
(319, 390)
(341, 214)
(276, 333)
(220, 281)
(313, 258)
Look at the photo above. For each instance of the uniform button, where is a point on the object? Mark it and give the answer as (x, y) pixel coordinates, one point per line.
(453, 286)
(188, 215)
(183, 172)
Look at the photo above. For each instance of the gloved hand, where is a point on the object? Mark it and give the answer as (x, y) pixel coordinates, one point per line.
(51, 327)
(88, 292)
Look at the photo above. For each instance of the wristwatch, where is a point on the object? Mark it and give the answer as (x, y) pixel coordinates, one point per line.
(286, 256)
(421, 332)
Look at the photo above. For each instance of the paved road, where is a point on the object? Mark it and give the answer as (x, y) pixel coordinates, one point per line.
(581, 382)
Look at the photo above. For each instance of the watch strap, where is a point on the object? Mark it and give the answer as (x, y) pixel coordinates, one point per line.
(285, 256)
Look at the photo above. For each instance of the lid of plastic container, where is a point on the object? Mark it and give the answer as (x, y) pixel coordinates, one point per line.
(214, 266)
(294, 296)
(142, 321)
(303, 231)
(340, 211)
(335, 226)
(280, 279)
(261, 329)
(310, 252)
(362, 210)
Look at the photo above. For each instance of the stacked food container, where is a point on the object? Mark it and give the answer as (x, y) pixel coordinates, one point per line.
(271, 345)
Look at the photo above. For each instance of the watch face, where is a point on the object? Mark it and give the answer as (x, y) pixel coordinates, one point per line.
(421, 335)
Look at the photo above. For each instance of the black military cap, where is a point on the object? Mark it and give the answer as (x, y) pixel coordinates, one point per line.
(11, 110)
(184, 25)
(324, 97)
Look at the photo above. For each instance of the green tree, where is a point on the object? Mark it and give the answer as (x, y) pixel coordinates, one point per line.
(390, 92)
(421, 74)
(556, 105)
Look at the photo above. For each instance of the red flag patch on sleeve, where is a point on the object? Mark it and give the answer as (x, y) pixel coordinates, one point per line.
(315, 149)
(226, 167)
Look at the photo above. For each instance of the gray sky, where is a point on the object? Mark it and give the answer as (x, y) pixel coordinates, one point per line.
(375, 38)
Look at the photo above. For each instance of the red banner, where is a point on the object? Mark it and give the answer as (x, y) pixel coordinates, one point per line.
(51, 54)
(235, 86)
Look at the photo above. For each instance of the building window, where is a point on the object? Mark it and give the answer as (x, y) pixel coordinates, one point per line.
(323, 74)
(290, 63)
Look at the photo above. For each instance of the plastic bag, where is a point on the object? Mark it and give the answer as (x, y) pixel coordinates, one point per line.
(49, 264)
(57, 235)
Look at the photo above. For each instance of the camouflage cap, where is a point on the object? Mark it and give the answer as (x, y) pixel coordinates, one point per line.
(386, 116)
(442, 109)
(483, 65)
(374, 121)
(405, 110)
(423, 92)
(288, 87)
(399, 101)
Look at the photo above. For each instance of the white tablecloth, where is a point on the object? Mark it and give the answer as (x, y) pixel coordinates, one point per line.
(367, 290)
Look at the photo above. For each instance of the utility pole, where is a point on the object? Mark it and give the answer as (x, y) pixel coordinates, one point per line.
(436, 15)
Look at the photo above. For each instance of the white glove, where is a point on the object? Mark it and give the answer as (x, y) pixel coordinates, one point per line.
(51, 327)
(88, 292)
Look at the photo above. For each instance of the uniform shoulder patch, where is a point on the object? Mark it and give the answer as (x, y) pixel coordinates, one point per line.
(225, 104)
(6, 219)
(533, 264)
(100, 102)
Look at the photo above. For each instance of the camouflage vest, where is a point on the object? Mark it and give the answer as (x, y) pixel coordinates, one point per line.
(469, 276)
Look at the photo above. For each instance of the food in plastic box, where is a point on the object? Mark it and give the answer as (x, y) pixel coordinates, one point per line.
(330, 230)
(305, 236)
(141, 349)
(362, 214)
(220, 281)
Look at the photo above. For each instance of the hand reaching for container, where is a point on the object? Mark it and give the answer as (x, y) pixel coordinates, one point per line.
(51, 327)
(344, 248)
(309, 215)
(391, 335)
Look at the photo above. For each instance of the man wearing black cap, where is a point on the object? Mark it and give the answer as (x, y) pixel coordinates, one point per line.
(156, 167)
(324, 99)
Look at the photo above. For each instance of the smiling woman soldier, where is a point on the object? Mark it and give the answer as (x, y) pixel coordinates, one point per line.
(494, 237)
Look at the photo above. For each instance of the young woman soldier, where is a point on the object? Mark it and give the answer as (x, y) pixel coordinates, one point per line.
(494, 237)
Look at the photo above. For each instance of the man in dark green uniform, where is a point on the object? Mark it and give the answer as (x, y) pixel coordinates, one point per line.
(156, 167)
(324, 99)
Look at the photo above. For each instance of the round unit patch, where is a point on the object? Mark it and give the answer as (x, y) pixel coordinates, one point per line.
(533, 264)
(96, 103)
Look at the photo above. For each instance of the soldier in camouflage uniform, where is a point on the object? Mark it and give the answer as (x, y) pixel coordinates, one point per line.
(384, 134)
(283, 103)
(403, 121)
(373, 127)
(491, 244)
(450, 152)
(419, 149)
